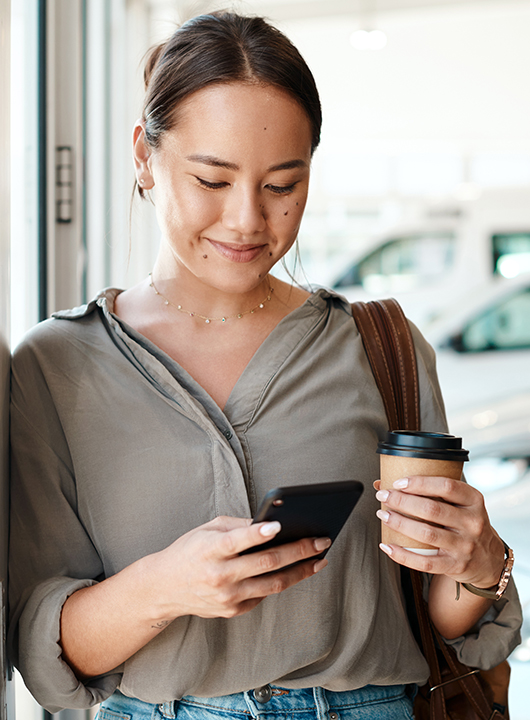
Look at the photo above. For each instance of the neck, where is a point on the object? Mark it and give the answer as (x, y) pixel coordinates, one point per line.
(210, 304)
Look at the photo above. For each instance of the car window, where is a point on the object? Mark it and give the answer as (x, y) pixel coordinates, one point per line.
(402, 264)
(511, 253)
(505, 326)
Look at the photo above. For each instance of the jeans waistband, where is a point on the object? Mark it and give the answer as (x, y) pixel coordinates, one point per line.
(268, 700)
(272, 698)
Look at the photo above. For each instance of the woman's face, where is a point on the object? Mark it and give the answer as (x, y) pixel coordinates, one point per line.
(230, 182)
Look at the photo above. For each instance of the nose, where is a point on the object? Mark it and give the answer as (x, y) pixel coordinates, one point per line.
(244, 211)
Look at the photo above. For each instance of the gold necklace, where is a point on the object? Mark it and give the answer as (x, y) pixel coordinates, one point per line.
(206, 318)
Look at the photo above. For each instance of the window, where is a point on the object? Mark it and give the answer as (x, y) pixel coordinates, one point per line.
(503, 327)
(511, 253)
(24, 167)
(402, 263)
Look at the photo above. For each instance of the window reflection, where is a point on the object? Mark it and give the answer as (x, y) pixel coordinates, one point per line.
(511, 253)
(503, 327)
(402, 263)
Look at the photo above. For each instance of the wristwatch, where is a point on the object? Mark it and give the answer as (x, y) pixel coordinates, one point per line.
(498, 592)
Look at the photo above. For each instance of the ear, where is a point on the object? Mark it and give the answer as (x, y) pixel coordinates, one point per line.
(141, 157)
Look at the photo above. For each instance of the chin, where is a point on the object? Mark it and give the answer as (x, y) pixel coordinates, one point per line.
(237, 285)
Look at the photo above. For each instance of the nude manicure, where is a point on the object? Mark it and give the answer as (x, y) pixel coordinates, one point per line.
(271, 528)
(319, 565)
(401, 484)
(321, 543)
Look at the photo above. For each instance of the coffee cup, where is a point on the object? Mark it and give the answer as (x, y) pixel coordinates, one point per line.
(406, 453)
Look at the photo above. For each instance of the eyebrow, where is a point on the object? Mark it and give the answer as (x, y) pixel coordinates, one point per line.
(289, 165)
(213, 161)
(217, 162)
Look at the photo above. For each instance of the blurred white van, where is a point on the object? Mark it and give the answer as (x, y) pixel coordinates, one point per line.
(483, 358)
(433, 263)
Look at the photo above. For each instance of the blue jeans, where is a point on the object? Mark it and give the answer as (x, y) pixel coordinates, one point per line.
(390, 702)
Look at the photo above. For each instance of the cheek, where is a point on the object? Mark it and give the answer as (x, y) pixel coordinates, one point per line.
(201, 205)
(289, 216)
(187, 209)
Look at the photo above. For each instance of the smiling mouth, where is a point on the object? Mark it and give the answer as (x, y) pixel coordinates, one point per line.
(238, 253)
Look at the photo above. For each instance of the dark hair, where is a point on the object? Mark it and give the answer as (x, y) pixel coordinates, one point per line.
(223, 47)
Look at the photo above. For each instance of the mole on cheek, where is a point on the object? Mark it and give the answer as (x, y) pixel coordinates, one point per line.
(270, 254)
(286, 212)
(205, 256)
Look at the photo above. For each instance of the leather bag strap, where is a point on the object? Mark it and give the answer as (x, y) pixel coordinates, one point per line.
(469, 682)
(389, 346)
(437, 704)
(390, 349)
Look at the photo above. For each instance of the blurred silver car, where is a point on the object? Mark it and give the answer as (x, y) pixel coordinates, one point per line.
(483, 359)
(432, 263)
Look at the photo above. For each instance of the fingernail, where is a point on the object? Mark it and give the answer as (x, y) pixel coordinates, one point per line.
(382, 495)
(271, 528)
(319, 565)
(383, 515)
(321, 543)
(386, 548)
(400, 484)
(375, 483)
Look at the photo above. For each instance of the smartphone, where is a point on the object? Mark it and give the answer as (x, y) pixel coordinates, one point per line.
(307, 511)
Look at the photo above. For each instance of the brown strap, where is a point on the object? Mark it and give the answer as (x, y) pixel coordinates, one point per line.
(470, 683)
(389, 347)
(437, 699)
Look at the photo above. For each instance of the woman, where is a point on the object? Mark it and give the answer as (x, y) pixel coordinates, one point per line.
(148, 425)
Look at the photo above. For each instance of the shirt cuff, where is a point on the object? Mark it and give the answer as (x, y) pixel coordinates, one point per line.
(495, 636)
(48, 677)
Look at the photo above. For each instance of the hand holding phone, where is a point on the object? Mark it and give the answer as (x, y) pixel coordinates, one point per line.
(306, 511)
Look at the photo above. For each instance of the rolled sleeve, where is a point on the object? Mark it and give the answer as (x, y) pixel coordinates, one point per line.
(51, 554)
(496, 635)
(48, 677)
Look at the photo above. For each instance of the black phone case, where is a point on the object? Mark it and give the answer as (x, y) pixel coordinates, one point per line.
(307, 511)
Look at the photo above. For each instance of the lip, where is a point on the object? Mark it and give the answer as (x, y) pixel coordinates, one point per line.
(236, 252)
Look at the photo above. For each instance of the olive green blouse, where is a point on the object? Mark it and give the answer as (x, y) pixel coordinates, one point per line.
(117, 451)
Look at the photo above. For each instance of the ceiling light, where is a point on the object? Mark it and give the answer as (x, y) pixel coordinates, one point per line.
(368, 39)
(468, 192)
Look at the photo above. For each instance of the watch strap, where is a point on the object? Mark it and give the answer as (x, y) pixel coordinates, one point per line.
(506, 573)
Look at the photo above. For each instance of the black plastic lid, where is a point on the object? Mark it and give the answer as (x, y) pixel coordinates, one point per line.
(435, 446)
